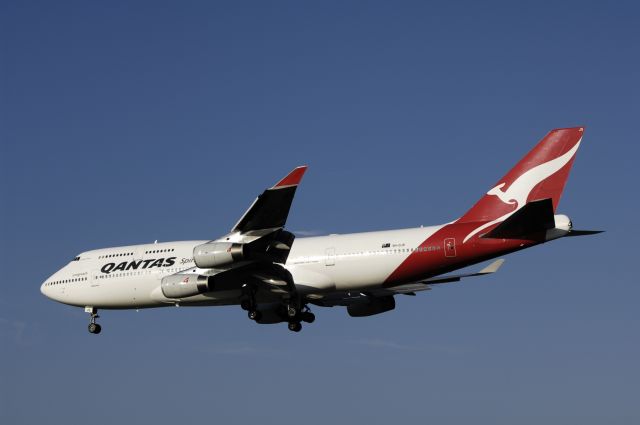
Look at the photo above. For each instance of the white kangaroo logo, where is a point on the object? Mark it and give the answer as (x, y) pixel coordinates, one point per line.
(519, 191)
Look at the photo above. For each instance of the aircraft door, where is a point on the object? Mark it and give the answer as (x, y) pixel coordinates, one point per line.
(95, 276)
(331, 257)
(138, 254)
(450, 247)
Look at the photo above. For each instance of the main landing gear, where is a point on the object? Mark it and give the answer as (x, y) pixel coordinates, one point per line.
(296, 316)
(249, 304)
(94, 328)
(295, 326)
(254, 315)
(292, 313)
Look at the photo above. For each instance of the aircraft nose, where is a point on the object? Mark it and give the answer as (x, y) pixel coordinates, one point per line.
(44, 290)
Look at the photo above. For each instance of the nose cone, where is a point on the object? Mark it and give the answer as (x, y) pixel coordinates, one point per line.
(49, 288)
(45, 290)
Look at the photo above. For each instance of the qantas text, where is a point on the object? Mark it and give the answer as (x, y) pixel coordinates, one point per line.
(139, 264)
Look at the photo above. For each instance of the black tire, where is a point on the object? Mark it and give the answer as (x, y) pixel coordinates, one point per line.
(292, 312)
(295, 326)
(245, 305)
(308, 317)
(98, 329)
(254, 315)
(93, 327)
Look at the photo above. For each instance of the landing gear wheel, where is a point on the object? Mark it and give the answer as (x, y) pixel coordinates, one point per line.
(254, 315)
(245, 305)
(295, 326)
(292, 311)
(94, 328)
(308, 317)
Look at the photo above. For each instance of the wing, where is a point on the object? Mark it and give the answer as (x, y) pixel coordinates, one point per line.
(259, 236)
(270, 210)
(256, 247)
(348, 298)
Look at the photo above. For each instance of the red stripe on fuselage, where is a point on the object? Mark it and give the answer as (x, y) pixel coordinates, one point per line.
(426, 263)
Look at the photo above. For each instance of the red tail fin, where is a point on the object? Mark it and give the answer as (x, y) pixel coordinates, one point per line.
(541, 174)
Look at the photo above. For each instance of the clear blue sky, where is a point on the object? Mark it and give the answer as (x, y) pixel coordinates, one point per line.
(124, 123)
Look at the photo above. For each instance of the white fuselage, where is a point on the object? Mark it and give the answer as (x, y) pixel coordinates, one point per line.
(130, 276)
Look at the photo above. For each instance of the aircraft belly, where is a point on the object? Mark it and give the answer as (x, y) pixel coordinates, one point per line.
(115, 293)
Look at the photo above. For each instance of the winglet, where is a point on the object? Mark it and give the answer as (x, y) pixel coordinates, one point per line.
(293, 178)
(493, 267)
(271, 208)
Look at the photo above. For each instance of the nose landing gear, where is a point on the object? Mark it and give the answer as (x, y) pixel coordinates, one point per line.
(93, 327)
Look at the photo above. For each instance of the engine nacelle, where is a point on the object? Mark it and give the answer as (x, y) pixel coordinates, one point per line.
(375, 305)
(185, 285)
(216, 254)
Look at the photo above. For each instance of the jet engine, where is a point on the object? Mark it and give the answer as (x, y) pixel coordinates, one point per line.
(184, 285)
(374, 305)
(272, 247)
(188, 285)
(217, 254)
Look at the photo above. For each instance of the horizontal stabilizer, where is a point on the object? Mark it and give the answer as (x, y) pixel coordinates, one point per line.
(584, 232)
(491, 268)
(405, 289)
(533, 218)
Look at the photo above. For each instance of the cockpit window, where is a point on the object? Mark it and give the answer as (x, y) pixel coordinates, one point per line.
(76, 259)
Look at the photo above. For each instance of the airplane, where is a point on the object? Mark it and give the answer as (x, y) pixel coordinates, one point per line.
(275, 276)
